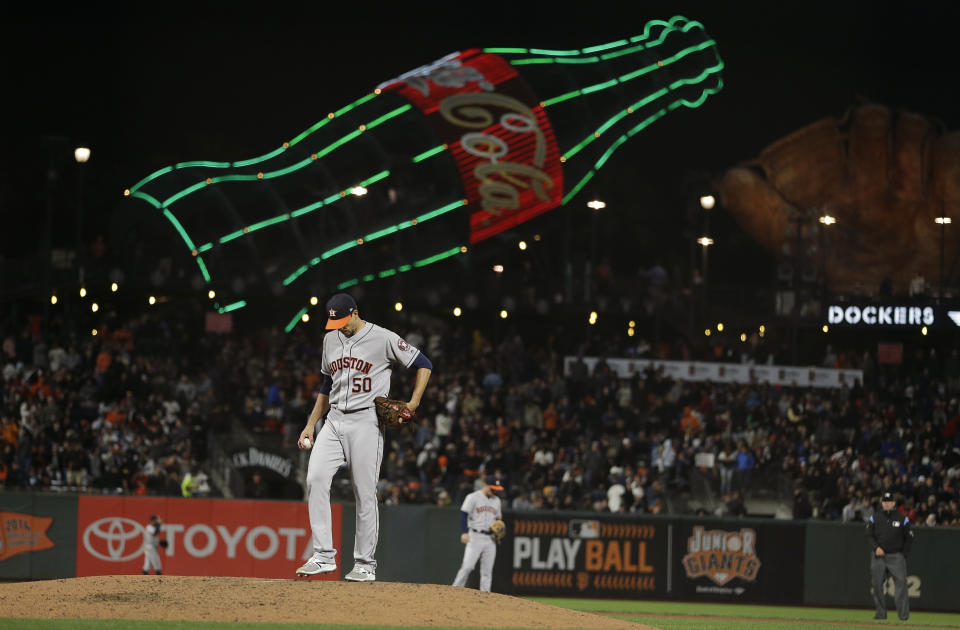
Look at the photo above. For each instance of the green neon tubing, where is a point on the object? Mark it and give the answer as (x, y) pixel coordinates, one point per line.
(553, 53)
(229, 237)
(176, 224)
(506, 51)
(183, 193)
(429, 153)
(293, 322)
(205, 247)
(150, 177)
(202, 163)
(304, 210)
(599, 86)
(233, 307)
(387, 273)
(262, 158)
(532, 61)
(561, 98)
(388, 116)
(203, 270)
(233, 178)
(149, 199)
(583, 182)
(309, 131)
(593, 49)
(575, 60)
(404, 268)
(375, 178)
(296, 274)
(336, 250)
(437, 257)
(348, 283)
(288, 170)
(267, 222)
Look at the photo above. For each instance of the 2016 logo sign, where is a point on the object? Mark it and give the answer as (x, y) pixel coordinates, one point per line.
(722, 555)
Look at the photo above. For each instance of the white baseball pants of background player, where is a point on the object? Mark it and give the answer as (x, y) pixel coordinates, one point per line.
(353, 439)
(482, 547)
(151, 559)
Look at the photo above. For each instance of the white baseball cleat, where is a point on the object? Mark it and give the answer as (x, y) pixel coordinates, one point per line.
(315, 566)
(361, 574)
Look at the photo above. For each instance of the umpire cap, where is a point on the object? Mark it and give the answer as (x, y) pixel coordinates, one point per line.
(339, 309)
(888, 496)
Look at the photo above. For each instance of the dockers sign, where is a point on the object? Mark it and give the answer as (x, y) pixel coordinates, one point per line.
(605, 556)
(205, 536)
(891, 316)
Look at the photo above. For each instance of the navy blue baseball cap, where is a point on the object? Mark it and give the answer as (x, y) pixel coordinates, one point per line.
(339, 309)
(888, 496)
(495, 484)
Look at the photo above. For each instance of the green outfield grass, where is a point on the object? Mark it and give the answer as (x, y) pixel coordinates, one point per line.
(681, 616)
(665, 615)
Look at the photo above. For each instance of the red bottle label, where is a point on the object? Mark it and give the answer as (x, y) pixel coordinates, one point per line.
(498, 133)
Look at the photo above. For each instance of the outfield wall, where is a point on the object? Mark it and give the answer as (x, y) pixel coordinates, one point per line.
(545, 553)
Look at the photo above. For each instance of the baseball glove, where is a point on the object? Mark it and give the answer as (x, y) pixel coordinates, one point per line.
(391, 413)
(164, 544)
(498, 530)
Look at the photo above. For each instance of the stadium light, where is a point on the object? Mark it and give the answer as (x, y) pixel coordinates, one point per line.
(707, 202)
(81, 154)
(827, 219)
(596, 204)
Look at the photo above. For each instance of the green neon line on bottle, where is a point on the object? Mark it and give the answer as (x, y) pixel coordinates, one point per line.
(295, 320)
(533, 61)
(205, 247)
(554, 53)
(561, 98)
(506, 51)
(304, 210)
(388, 116)
(314, 261)
(387, 273)
(404, 268)
(183, 232)
(150, 177)
(296, 274)
(332, 147)
(309, 131)
(262, 158)
(357, 103)
(429, 153)
(593, 49)
(573, 192)
(375, 178)
(232, 235)
(442, 210)
(149, 199)
(336, 250)
(437, 257)
(385, 231)
(575, 60)
(202, 163)
(599, 86)
(183, 193)
(203, 270)
(234, 306)
(239, 177)
(266, 222)
(332, 198)
(348, 284)
(369, 277)
(621, 53)
(285, 171)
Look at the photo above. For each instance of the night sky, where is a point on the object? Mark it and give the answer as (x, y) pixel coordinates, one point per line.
(232, 80)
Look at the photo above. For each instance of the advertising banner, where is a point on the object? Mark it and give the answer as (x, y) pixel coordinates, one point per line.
(37, 533)
(205, 536)
(727, 372)
(602, 556)
(738, 561)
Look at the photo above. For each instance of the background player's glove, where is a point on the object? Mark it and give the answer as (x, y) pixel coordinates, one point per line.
(164, 544)
(497, 531)
(391, 413)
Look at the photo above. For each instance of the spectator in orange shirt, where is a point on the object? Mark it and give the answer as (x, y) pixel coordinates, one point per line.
(689, 423)
(103, 361)
(550, 416)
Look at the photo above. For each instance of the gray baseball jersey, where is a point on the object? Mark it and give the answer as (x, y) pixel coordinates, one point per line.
(359, 366)
(151, 543)
(481, 513)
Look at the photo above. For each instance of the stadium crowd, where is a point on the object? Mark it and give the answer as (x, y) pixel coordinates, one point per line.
(130, 410)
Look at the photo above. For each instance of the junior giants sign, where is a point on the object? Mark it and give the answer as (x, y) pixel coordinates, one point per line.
(206, 536)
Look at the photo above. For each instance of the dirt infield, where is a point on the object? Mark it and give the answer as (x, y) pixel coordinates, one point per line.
(284, 601)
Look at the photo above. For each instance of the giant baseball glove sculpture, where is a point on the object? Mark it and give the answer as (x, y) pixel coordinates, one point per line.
(884, 175)
(391, 413)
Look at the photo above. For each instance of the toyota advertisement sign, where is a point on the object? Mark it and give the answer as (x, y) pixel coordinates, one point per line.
(212, 537)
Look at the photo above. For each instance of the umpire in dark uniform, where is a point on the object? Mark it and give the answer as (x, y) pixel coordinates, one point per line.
(890, 540)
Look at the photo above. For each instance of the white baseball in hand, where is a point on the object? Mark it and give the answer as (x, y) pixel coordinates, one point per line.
(306, 442)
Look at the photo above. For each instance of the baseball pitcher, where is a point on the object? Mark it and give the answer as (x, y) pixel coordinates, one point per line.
(358, 357)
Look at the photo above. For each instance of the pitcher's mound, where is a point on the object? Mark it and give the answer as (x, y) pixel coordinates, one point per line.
(280, 601)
